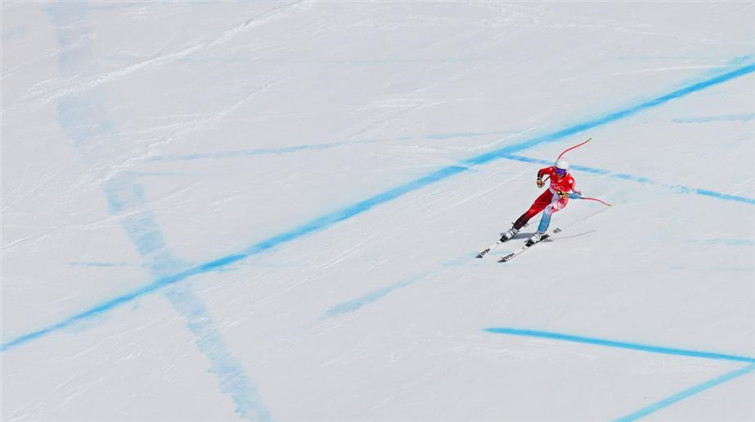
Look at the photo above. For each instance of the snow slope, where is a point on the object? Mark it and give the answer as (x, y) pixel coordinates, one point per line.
(269, 211)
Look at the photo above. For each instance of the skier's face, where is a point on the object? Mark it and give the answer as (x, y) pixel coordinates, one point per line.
(560, 173)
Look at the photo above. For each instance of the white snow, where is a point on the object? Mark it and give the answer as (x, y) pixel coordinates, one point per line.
(269, 211)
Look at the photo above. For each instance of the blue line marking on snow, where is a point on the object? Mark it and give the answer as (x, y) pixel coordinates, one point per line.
(742, 59)
(718, 268)
(103, 264)
(638, 179)
(610, 117)
(236, 58)
(453, 135)
(317, 147)
(727, 118)
(83, 117)
(125, 196)
(249, 152)
(358, 208)
(356, 304)
(730, 242)
(723, 196)
(618, 344)
(14, 33)
(686, 394)
(227, 368)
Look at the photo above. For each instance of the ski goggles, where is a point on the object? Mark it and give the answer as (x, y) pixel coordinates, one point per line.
(560, 172)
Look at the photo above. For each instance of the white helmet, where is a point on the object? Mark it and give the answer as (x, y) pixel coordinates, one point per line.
(562, 165)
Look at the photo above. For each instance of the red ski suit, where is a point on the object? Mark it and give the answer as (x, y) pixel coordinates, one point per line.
(549, 200)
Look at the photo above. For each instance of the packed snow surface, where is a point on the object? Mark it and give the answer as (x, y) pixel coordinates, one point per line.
(270, 211)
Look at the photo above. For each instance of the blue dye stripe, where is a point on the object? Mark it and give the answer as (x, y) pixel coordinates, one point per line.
(618, 344)
(728, 118)
(730, 242)
(723, 196)
(83, 117)
(686, 394)
(252, 152)
(356, 304)
(638, 179)
(383, 197)
(103, 264)
(315, 147)
(611, 117)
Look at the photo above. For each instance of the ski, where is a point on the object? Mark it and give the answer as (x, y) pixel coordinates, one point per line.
(489, 248)
(495, 245)
(512, 255)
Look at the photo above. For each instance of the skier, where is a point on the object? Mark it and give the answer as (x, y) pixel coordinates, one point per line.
(562, 187)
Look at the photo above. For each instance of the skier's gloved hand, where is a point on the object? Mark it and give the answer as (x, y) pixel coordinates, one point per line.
(539, 182)
(561, 194)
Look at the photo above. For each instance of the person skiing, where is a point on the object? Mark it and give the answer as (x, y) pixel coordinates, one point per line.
(562, 188)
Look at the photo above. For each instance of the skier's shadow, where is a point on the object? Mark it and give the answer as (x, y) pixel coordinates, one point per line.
(577, 235)
(521, 235)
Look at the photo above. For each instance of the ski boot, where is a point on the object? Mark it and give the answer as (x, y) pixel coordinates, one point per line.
(535, 238)
(509, 234)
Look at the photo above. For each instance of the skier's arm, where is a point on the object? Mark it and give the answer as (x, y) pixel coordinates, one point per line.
(543, 172)
(575, 192)
(540, 174)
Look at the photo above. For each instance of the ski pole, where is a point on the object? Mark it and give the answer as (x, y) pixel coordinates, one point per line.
(575, 146)
(597, 200)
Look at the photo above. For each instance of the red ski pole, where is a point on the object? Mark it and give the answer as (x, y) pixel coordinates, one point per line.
(597, 200)
(575, 146)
